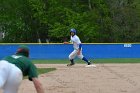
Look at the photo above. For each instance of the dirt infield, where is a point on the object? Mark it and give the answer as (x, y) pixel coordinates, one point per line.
(106, 78)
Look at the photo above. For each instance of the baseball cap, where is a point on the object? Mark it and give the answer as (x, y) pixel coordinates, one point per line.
(23, 50)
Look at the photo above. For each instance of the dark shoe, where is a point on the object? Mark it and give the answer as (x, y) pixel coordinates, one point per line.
(70, 64)
(89, 62)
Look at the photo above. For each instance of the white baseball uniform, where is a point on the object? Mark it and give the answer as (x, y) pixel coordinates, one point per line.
(10, 77)
(76, 42)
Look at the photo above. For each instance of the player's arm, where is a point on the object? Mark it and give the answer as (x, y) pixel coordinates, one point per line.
(77, 40)
(67, 42)
(33, 76)
(38, 85)
(79, 49)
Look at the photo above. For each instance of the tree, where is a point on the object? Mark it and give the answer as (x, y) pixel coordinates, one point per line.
(95, 20)
(125, 20)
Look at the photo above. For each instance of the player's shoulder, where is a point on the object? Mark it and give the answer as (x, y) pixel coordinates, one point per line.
(23, 58)
(75, 37)
(7, 57)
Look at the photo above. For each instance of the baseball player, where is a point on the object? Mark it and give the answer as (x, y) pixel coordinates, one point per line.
(77, 49)
(14, 67)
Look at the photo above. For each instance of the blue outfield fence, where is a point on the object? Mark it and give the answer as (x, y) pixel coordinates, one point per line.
(62, 51)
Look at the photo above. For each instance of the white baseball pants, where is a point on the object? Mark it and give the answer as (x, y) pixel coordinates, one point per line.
(74, 54)
(10, 77)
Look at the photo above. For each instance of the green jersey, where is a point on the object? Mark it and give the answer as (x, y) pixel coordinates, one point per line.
(24, 64)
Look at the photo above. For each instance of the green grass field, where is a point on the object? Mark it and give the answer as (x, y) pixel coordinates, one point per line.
(96, 61)
(43, 71)
(115, 60)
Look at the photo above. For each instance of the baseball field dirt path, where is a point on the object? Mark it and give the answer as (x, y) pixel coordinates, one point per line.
(106, 78)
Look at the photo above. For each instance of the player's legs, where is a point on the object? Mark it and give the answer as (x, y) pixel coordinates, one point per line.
(71, 57)
(83, 58)
(4, 71)
(14, 80)
(86, 60)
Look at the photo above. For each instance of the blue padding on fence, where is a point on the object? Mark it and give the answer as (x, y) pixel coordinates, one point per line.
(62, 51)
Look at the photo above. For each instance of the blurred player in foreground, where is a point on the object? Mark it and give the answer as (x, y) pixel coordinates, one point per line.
(14, 67)
(77, 49)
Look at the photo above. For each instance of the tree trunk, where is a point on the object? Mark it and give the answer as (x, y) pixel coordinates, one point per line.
(89, 5)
